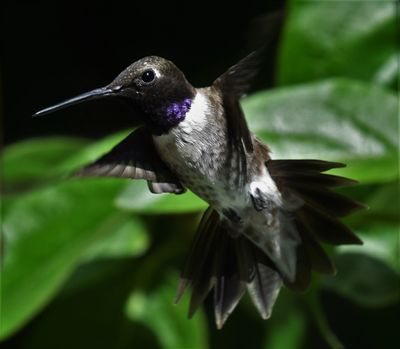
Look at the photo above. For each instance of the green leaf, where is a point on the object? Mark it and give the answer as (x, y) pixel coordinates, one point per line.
(364, 280)
(46, 232)
(128, 240)
(36, 160)
(39, 161)
(333, 38)
(338, 119)
(137, 198)
(169, 322)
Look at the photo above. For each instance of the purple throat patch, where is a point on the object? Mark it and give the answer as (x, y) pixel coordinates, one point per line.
(176, 112)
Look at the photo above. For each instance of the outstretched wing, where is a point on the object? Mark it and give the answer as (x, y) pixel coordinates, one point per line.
(236, 81)
(310, 216)
(232, 85)
(135, 157)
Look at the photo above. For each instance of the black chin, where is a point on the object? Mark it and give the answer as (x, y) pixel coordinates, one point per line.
(141, 117)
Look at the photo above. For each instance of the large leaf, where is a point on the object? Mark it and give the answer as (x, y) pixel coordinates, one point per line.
(337, 119)
(340, 38)
(42, 160)
(169, 322)
(31, 161)
(46, 232)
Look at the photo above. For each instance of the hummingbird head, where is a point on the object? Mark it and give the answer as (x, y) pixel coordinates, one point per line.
(153, 86)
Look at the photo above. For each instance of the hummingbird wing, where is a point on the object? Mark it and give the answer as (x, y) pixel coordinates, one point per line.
(233, 84)
(237, 79)
(136, 157)
(306, 214)
(315, 219)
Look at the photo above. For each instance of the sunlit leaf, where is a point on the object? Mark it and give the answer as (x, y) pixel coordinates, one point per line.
(333, 38)
(338, 119)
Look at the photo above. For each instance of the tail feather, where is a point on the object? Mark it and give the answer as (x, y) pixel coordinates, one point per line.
(320, 261)
(303, 271)
(321, 206)
(227, 265)
(299, 166)
(230, 282)
(305, 180)
(197, 266)
(327, 229)
(315, 179)
(203, 264)
(333, 204)
(265, 282)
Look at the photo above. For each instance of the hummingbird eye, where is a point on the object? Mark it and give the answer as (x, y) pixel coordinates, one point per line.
(148, 76)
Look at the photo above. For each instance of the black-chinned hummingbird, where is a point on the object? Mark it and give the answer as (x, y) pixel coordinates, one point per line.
(266, 218)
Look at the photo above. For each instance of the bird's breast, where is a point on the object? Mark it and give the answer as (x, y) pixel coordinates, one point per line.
(196, 151)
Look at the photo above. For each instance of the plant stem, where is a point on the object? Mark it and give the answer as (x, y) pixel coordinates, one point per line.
(322, 322)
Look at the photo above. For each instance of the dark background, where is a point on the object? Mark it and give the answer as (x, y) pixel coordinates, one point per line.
(54, 50)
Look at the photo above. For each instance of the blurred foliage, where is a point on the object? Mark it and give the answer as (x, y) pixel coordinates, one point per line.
(94, 262)
(353, 39)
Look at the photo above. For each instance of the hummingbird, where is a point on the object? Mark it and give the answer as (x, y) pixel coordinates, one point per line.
(266, 219)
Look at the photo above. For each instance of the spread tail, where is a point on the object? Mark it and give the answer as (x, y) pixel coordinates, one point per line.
(228, 266)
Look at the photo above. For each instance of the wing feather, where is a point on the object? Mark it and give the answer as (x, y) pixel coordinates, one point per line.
(135, 157)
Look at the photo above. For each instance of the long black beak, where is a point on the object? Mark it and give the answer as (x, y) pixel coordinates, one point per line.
(95, 94)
